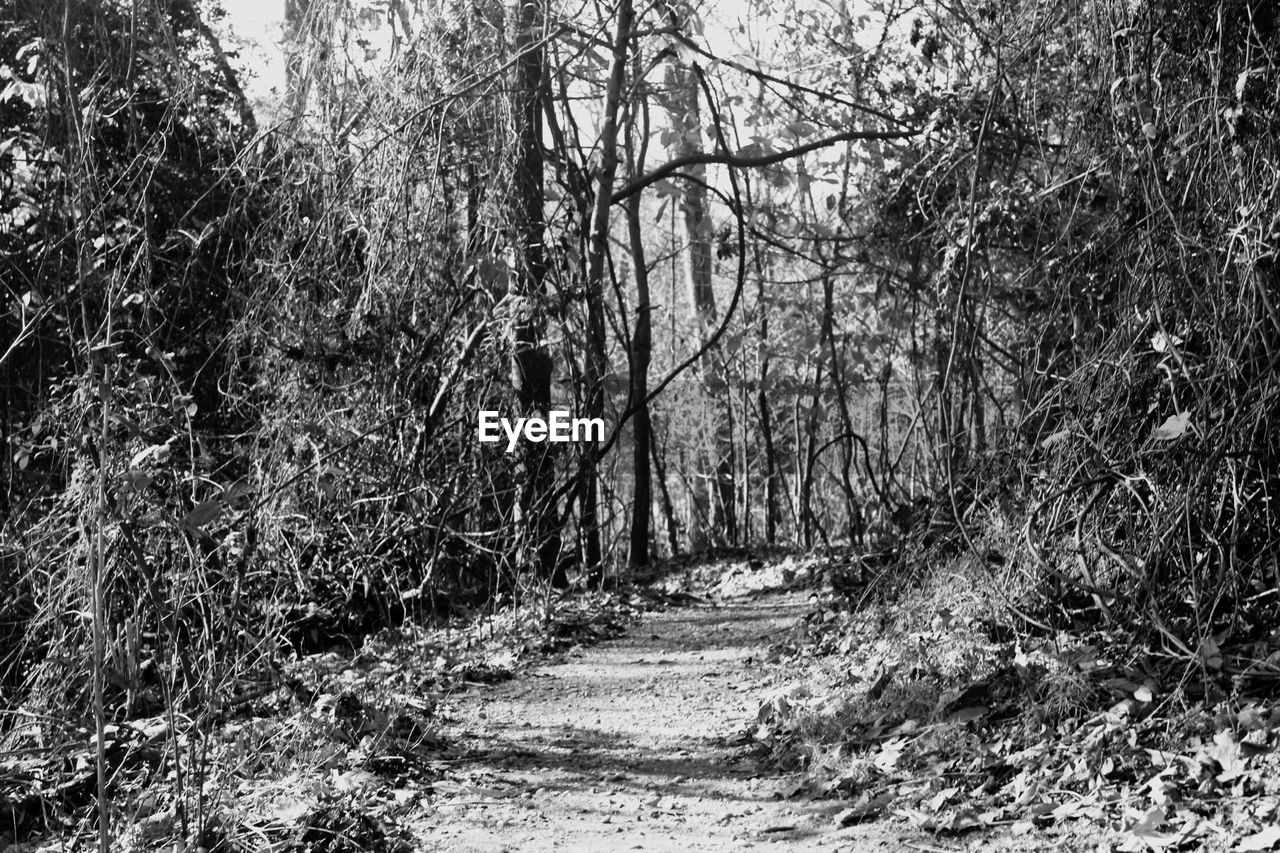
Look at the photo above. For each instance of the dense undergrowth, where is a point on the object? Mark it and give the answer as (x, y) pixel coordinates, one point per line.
(1138, 492)
(305, 759)
(230, 421)
(928, 701)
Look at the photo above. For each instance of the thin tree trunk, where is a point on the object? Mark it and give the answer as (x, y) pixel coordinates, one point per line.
(799, 514)
(726, 473)
(771, 474)
(641, 427)
(744, 460)
(888, 472)
(978, 410)
(770, 453)
(853, 508)
(641, 354)
(598, 246)
(668, 510)
(810, 459)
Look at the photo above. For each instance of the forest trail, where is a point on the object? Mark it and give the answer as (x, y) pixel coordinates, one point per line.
(635, 744)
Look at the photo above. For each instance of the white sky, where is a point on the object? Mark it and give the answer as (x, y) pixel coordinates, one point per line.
(254, 28)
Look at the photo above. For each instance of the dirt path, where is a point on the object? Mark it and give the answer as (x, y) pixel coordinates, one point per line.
(633, 744)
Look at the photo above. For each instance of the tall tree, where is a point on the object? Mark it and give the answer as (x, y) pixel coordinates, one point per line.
(683, 102)
(598, 246)
(641, 349)
(531, 364)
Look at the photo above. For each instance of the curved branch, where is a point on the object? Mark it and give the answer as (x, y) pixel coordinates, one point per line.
(735, 161)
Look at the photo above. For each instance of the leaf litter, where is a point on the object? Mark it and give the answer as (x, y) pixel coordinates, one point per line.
(326, 755)
(912, 712)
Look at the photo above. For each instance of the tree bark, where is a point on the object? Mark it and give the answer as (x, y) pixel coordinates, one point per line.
(598, 246)
(641, 355)
(531, 364)
(641, 345)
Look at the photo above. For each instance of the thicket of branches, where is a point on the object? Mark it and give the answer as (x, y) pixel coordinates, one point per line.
(1119, 205)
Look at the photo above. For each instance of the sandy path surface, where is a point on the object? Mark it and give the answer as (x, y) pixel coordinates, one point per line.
(634, 744)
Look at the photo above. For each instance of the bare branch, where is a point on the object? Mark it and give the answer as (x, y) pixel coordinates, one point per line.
(735, 161)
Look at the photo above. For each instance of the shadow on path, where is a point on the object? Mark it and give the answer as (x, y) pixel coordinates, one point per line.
(635, 743)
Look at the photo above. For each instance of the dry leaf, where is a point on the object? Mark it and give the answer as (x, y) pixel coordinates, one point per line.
(967, 715)
(866, 808)
(1266, 839)
(1173, 427)
(203, 513)
(1149, 822)
(1163, 342)
(1057, 438)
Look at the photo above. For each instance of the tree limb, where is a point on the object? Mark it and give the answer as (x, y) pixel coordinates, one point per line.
(780, 81)
(229, 78)
(735, 161)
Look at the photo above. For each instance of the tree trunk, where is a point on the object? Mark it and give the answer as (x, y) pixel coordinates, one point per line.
(770, 454)
(598, 247)
(641, 353)
(853, 507)
(771, 475)
(641, 342)
(668, 510)
(684, 108)
(531, 364)
(978, 409)
(805, 497)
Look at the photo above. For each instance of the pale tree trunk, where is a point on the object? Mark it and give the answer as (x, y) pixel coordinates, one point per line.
(296, 25)
(668, 510)
(684, 108)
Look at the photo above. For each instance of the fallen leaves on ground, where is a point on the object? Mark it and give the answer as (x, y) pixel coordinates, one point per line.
(321, 757)
(933, 721)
